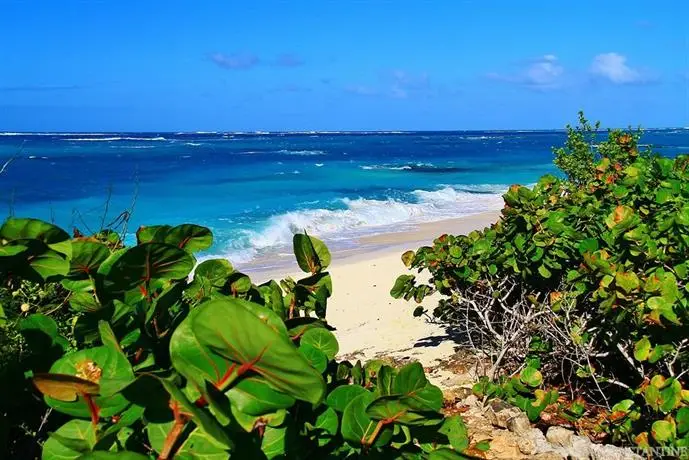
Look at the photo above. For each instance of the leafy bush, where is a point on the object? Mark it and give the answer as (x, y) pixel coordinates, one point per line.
(211, 365)
(587, 275)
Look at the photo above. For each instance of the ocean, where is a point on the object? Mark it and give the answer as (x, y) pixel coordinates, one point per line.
(254, 190)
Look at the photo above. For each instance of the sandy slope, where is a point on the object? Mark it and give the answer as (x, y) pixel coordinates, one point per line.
(369, 322)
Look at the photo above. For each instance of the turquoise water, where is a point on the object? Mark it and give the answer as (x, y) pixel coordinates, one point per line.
(256, 189)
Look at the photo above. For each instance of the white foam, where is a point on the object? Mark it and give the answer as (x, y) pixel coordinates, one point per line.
(306, 153)
(361, 217)
(108, 139)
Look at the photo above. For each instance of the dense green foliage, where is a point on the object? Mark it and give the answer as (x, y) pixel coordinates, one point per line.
(586, 279)
(164, 364)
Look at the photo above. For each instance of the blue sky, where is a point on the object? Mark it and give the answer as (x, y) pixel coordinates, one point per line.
(340, 65)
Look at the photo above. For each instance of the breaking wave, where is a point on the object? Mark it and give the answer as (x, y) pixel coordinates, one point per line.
(359, 217)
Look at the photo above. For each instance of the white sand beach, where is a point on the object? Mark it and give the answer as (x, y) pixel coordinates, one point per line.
(369, 322)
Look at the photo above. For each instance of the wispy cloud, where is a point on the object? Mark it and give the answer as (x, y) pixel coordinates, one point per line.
(397, 84)
(288, 60)
(543, 73)
(235, 61)
(291, 88)
(362, 90)
(39, 88)
(244, 61)
(612, 67)
(403, 84)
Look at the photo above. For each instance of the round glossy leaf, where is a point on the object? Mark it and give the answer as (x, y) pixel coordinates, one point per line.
(314, 356)
(642, 349)
(190, 237)
(456, 431)
(215, 271)
(145, 262)
(70, 441)
(531, 376)
(323, 340)
(122, 455)
(311, 253)
(100, 365)
(399, 410)
(255, 396)
(151, 233)
(341, 396)
(232, 331)
(193, 360)
(87, 256)
(201, 446)
(663, 431)
(358, 428)
(34, 229)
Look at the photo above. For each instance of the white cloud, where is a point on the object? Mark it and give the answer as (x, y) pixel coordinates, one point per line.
(613, 67)
(542, 73)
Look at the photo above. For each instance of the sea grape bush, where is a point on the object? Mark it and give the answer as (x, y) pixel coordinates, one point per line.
(588, 276)
(175, 360)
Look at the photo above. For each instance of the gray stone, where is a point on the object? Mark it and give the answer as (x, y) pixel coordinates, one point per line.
(499, 413)
(519, 424)
(580, 448)
(559, 436)
(608, 452)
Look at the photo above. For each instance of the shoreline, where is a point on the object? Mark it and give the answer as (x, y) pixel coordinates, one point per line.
(370, 245)
(371, 324)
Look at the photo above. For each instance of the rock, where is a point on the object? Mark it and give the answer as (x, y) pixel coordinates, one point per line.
(499, 413)
(607, 452)
(559, 436)
(526, 445)
(552, 455)
(580, 448)
(519, 424)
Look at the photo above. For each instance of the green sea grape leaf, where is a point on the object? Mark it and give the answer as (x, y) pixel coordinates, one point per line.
(232, 331)
(314, 356)
(151, 233)
(275, 442)
(531, 376)
(193, 360)
(628, 281)
(33, 229)
(385, 380)
(311, 253)
(41, 333)
(327, 422)
(456, 431)
(190, 237)
(445, 454)
(202, 418)
(663, 431)
(358, 427)
(255, 396)
(394, 409)
(411, 383)
(199, 445)
(145, 262)
(642, 349)
(323, 340)
(121, 455)
(682, 418)
(70, 441)
(87, 256)
(103, 365)
(342, 395)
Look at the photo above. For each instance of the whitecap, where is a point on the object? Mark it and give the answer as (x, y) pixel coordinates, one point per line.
(360, 217)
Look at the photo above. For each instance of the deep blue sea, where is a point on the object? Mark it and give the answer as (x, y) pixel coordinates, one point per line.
(256, 189)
